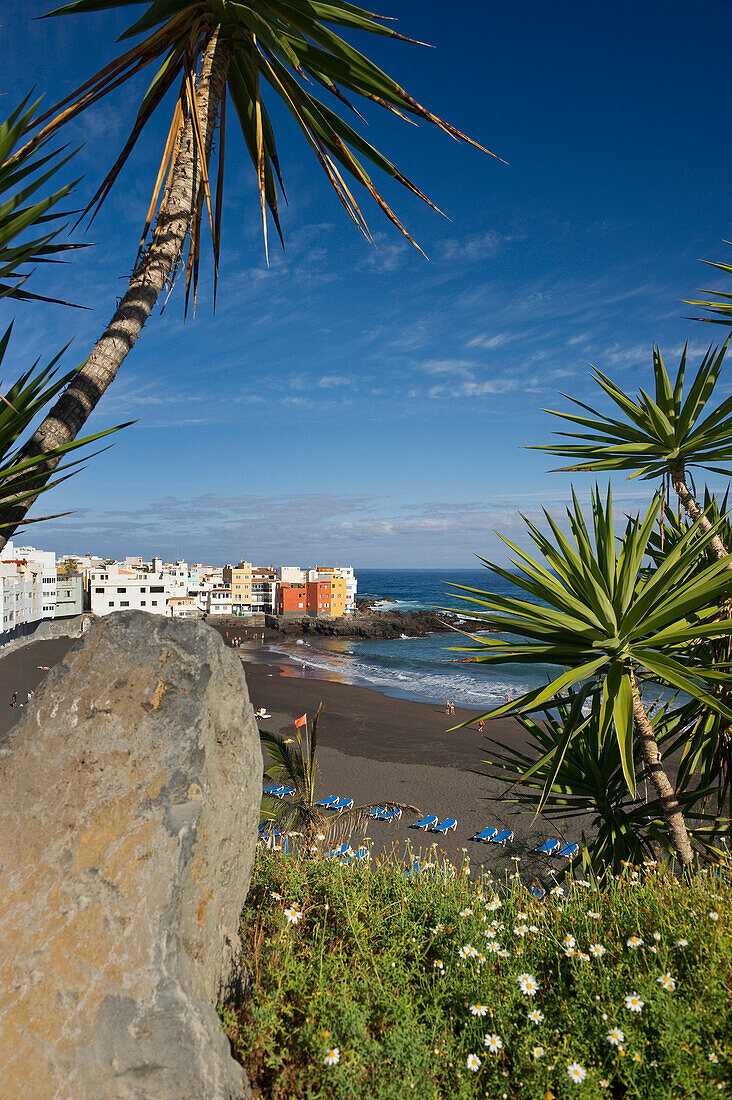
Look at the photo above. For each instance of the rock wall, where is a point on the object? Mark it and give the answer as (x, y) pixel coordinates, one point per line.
(131, 793)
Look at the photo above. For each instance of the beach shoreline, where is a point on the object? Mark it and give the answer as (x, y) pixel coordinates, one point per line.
(372, 747)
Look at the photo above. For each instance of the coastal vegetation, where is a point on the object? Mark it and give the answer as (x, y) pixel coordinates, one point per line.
(372, 983)
(625, 616)
(203, 53)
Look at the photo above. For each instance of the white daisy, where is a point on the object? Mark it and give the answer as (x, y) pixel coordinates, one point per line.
(494, 947)
(522, 916)
(466, 913)
(569, 941)
(714, 916)
(474, 1063)
(713, 1057)
(657, 936)
(437, 929)
(576, 1072)
(615, 1037)
(503, 954)
(439, 964)
(536, 1016)
(332, 1058)
(494, 1043)
(528, 984)
(594, 916)
(634, 941)
(558, 891)
(478, 1010)
(494, 903)
(293, 915)
(275, 895)
(668, 982)
(597, 950)
(521, 930)
(633, 1003)
(537, 1052)
(682, 943)
(490, 933)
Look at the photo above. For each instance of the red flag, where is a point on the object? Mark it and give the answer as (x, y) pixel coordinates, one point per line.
(301, 721)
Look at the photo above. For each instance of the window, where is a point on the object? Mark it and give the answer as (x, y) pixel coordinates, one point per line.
(99, 591)
(156, 588)
(124, 603)
(111, 603)
(121, 589)
(153, 603)
(142, 603)
(142, 590)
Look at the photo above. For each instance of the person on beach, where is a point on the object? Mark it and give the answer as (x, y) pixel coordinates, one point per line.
(14, 700)
(480, 725)
(452, 708)
(447, 706)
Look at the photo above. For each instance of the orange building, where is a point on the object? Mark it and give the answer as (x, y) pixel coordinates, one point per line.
(312, 598)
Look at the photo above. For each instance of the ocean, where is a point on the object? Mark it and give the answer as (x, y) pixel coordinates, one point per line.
(424, 669)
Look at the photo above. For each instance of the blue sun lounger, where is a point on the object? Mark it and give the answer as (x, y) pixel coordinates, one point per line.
(377, 812)
(341, 852)
(329, 801)
(486, 835)
(502, 837)
(548, 847)
(383, 814)
(344, 804)
(276, 791)
(362, 853)
(284, 792)
(425, 823)
(445, 826)
(569, 851)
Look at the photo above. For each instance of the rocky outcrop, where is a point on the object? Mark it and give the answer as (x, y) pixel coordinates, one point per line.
(373, 624)
(128, 821)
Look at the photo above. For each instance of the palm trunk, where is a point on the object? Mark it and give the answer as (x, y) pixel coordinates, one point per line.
(695, 512)
(65, 420)
(669, 803)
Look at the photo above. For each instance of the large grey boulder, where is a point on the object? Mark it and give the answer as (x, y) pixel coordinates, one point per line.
(128, 817)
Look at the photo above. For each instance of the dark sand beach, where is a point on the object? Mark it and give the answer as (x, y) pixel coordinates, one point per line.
(372, 747)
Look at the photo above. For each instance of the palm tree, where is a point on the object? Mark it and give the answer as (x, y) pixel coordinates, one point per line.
(611, 624)
(29, 218)
(657, 438)
(290, 48)
(589, 782)
(294, 762)
(720, 303)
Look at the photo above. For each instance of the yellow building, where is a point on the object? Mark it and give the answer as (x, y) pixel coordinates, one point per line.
(239, 579)
(337, 588)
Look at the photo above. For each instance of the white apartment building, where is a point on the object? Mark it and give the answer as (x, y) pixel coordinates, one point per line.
(115, 589)
(46, 559)
(21, 588)
(220, 601)
(292, 574)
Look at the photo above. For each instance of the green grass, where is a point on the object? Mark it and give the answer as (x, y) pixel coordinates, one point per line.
(358, 972)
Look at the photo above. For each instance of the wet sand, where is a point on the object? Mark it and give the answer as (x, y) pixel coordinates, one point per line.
(372, 747)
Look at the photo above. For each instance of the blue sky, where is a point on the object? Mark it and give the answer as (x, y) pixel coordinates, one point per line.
(364, 405)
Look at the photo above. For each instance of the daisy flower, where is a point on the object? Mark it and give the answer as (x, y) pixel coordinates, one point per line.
(490, 933)
(437, 929)
(713, 1057)
(576, 1072)
(494, 903)
(478, 1010)
(569, 952)
(494, 947)
(657, 936)
(466, 913)
(615, 1037)
(275, 895)
(594, 916)
(636, 1057)
(634, 941)
(522, 916)
(528, 984)
(521, 930)
(713, 915)
(293, 915)
(668, 982)
(569, 941)
(682, 943)
(332, 1058)
(558, 891)
(536, 1016)
(494, 1043)
(474, 1063)
(633, 1003)
(597, 950)
(503, 954)
(583, 882)
(537, 1052)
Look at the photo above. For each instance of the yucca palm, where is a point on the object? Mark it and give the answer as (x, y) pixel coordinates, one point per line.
(657, 437)
(294, 761)
(590, 782)
(26, 207)
(289, 48)
(720, 302)
(611, 624)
